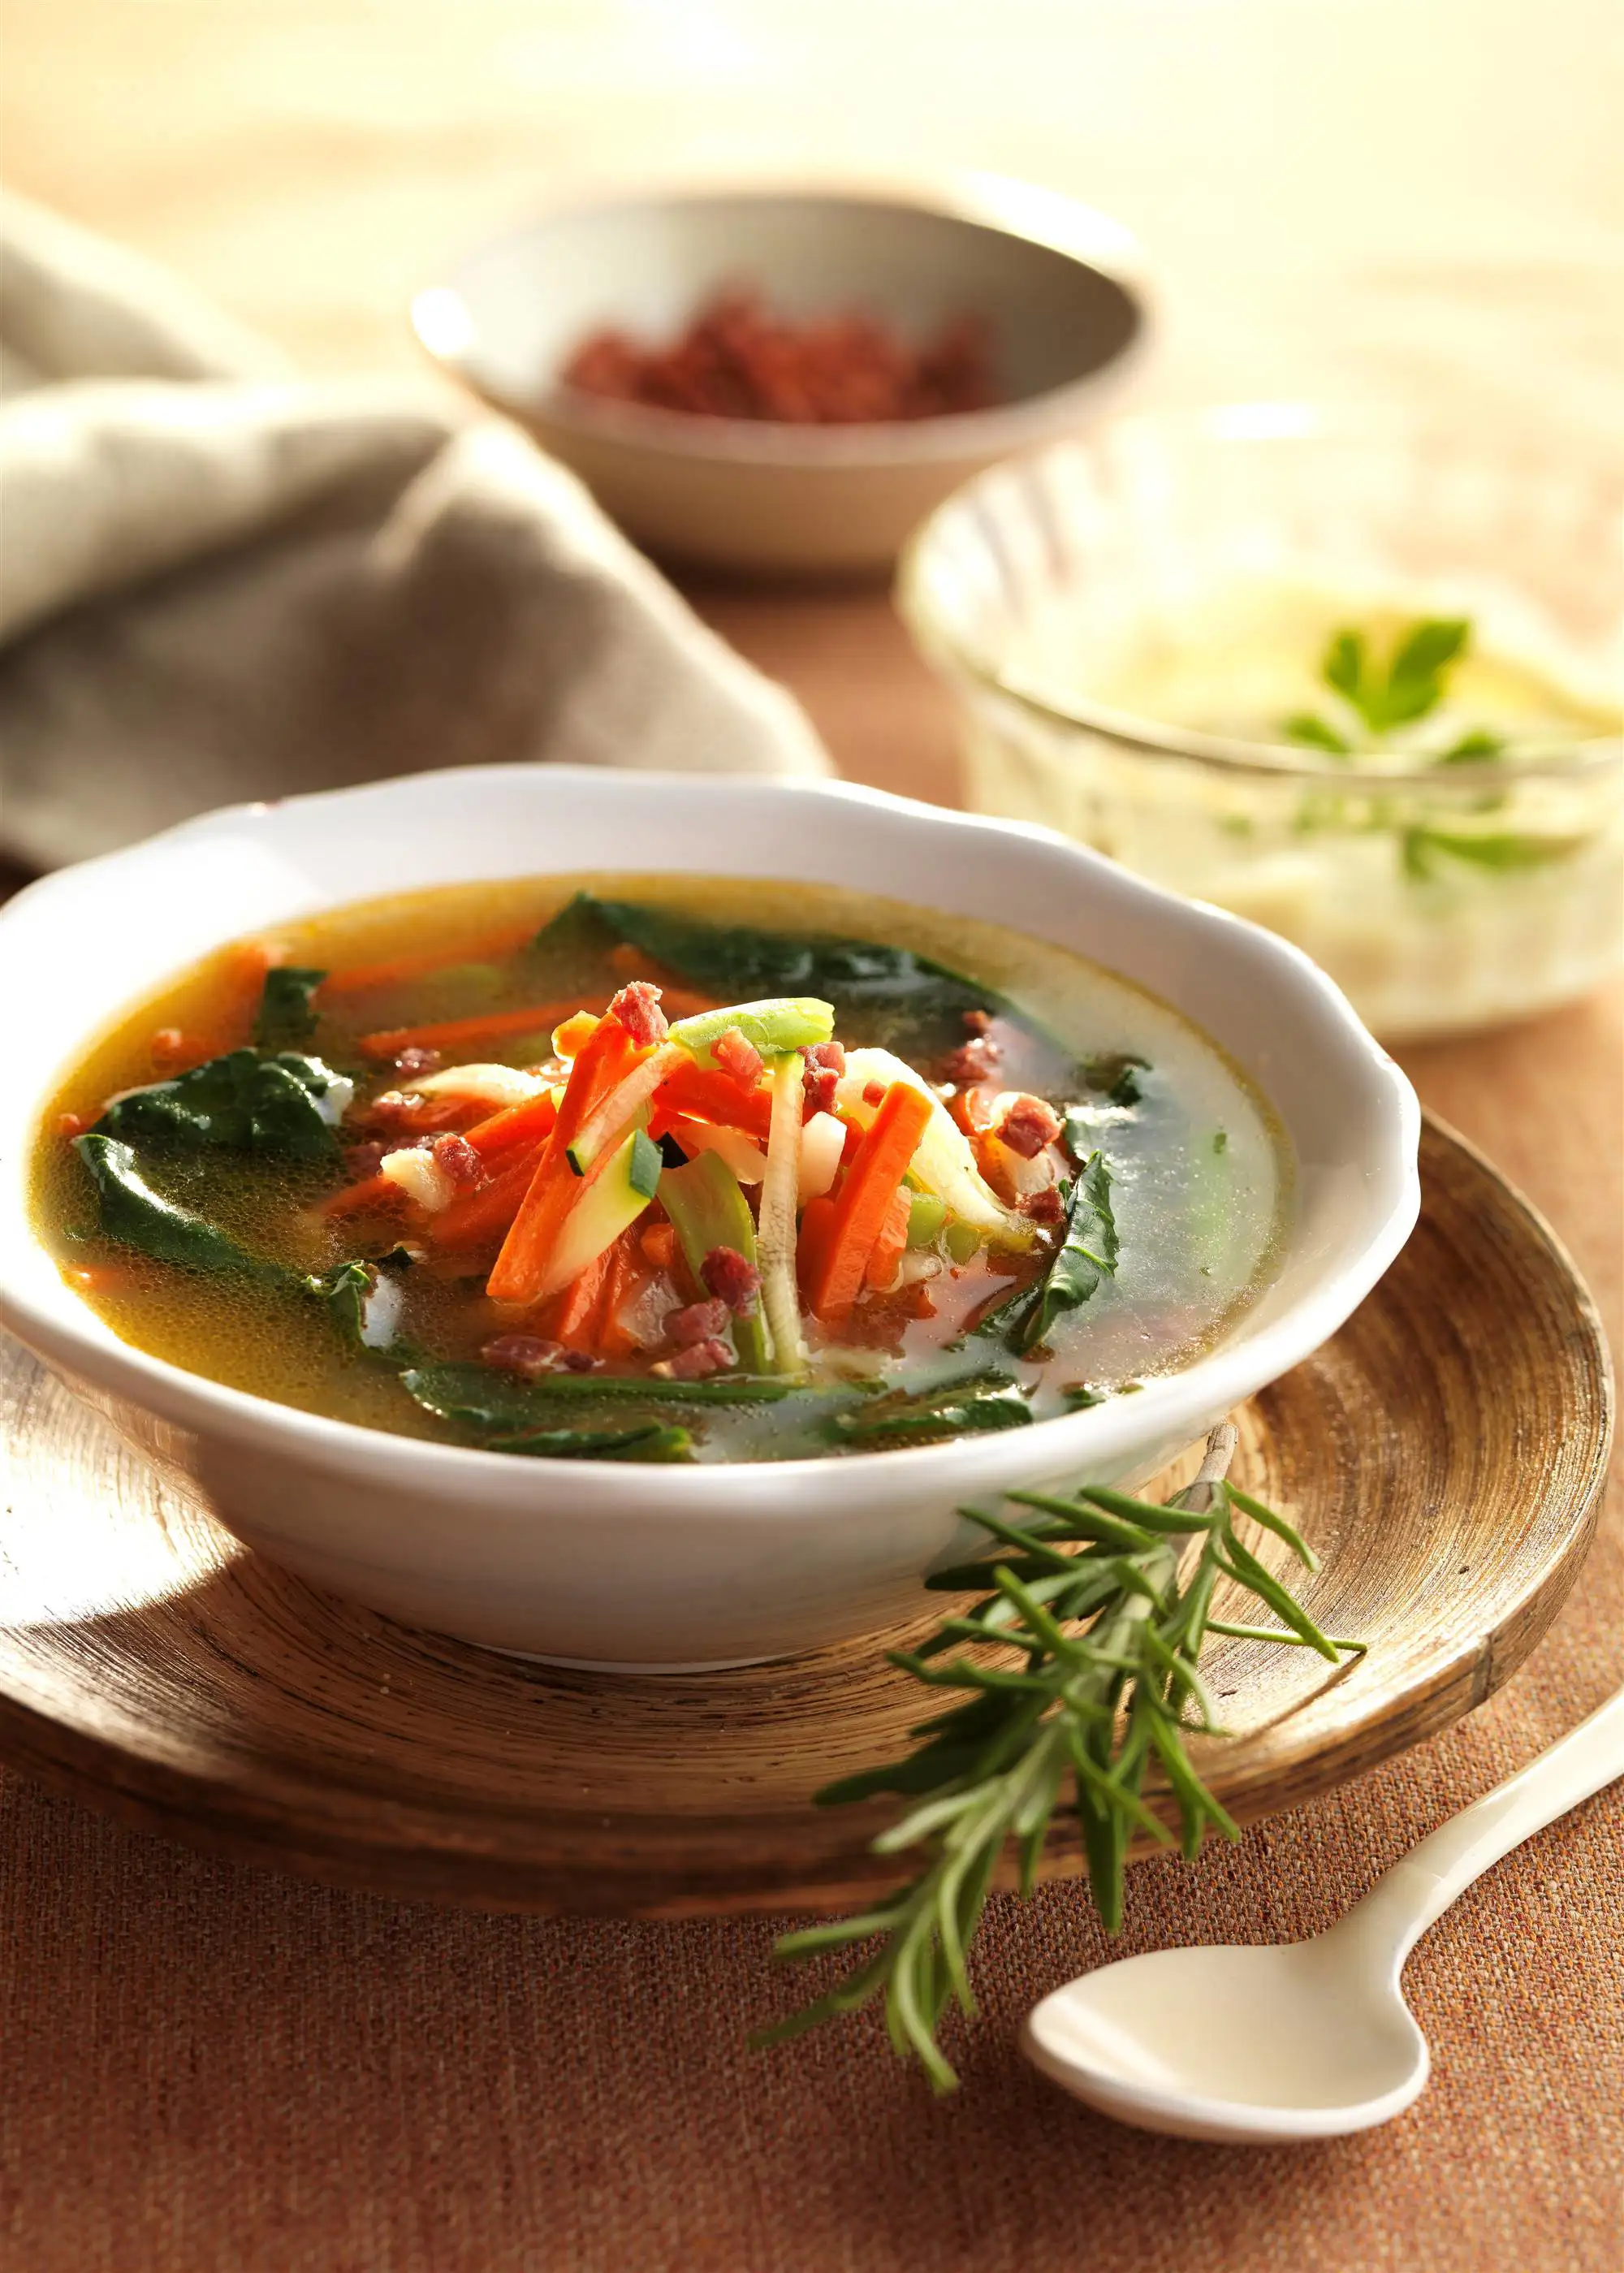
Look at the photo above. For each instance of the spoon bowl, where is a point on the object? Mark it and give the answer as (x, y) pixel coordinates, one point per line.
(1263, 2046)
(1235, 2044)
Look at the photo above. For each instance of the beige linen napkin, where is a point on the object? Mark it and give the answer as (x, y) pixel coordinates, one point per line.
(219, 582)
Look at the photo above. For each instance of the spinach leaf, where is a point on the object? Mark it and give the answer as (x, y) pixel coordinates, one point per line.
(966, 1408)
(242, 1102)
(904, 998)
(136, 1215)
(498, 1404)
(286, 1010)
(654, 1440)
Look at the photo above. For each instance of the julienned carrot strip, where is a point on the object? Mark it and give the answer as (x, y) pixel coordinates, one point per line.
(696, 1094)
(892, 1240)
(840, 1249)
(371, 1191)
(579, 1304)
(480, 1218)
(521, 1267)
(359, 977)
(451, 1033)
(613, 1340)
(515, 1124)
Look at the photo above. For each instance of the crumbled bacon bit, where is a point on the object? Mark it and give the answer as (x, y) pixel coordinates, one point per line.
(976, 1060)
(580, 1361)
(826, 1062)
(409, 1063)
(411, 1117)
(699, 1358)
(738, 1058)
(1046, 1206)
(638, 1008)
(1027, 1126)
(458, 1159)
(874, 1092)
(700, 1322)
(526, 1354)
(734, 1280)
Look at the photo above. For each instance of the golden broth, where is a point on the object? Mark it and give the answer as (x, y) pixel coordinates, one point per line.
(1201, 1174)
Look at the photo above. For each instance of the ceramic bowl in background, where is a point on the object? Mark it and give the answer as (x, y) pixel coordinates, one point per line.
(672, 1566)
(1440, 899)
(1058, 284)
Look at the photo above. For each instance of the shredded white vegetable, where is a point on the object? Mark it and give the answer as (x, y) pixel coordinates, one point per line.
(420, 1176)
(943, 1162)
(485, 1084)
(780, 1301)
(742, 1154)
(823, 1140)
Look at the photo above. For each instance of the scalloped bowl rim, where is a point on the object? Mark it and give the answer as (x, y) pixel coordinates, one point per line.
(37, 1305)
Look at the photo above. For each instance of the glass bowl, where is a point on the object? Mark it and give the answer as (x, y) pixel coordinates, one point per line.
(1440, 897)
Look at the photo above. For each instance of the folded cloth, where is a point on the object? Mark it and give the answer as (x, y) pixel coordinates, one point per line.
(219, 581)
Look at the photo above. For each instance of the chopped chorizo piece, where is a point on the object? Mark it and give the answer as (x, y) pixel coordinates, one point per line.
(826, 1062)
(734, 1280)
(409, 1063)
(698, 1359)
(457, 1157)
(700, 1322)
(1027, 1126)
(738, 1058)
(638, 1008)
(873, 1092)
(528, 1355)
(1046, 1206)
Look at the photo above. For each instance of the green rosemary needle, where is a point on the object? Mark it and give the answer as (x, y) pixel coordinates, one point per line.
(1110, 1682)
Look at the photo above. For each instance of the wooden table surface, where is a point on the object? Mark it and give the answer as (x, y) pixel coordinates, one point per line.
(1420, 200)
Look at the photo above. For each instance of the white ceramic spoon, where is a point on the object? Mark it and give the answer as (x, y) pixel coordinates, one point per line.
(1306, 2041)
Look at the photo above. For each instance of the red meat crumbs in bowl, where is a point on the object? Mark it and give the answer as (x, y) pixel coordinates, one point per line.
(737, 359)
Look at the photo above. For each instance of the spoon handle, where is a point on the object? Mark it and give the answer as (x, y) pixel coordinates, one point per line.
(1400, 1906)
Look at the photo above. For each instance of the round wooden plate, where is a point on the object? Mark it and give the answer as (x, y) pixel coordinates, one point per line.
(1445, 1453)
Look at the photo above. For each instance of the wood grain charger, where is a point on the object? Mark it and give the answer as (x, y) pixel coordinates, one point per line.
(1444, 1452)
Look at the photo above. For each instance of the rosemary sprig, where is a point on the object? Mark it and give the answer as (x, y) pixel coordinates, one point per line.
(1108, 1682)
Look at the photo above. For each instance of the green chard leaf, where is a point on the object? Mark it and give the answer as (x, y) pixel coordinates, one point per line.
(923, 1002)
(287, 1008)
(137, 1216)
(364, 1303)
(1086, 1256)
(972, 1406)
(494, 1404)
(285, 1105)
(653, 1440)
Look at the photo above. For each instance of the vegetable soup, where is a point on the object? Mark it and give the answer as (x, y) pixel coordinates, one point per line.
(661, 1168)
